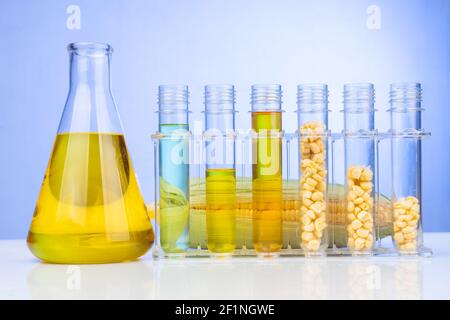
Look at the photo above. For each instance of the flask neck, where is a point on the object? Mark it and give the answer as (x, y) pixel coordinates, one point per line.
(90, 71)
(90, 104)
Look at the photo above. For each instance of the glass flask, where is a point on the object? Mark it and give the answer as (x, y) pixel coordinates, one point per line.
(90, 208)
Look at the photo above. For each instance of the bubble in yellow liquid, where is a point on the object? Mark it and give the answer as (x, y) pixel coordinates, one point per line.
(90, 209)
(221, 210)
(267, 182)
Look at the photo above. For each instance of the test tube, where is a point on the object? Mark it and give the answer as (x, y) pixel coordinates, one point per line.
(173, 169)
(267, 168)
(312, 117)
(359, 140)
(220, 168)
(406, 129)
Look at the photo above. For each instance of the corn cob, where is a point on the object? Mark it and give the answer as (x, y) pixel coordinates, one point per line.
(336, 207)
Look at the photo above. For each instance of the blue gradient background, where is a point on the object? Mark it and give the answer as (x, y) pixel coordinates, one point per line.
(200, 42)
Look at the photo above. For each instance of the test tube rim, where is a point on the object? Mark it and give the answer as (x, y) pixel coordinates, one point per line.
(83, 47)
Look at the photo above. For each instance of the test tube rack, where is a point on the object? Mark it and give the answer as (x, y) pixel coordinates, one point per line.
(336, 202)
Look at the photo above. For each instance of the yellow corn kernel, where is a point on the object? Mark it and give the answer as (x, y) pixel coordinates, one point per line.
(351, 242)
(413, 223)
(317, 196)
(366, 175)
(307, 202)
(317, 207)
(410, 235)
(306, 194)
(363, 233)
(321, 186)
(407, 204)
(305, 219)
(356, 224)
(368, 225)
(358, 191)
(367, 186)
(320, 224)
(350, 230)
(399, 211)
(313, 245)
(365, 206)
(311, 215)
(363, 216)
(307, 236)
(401, 224)
(414, 200)
(304, 147)
(355, 173)
(314, 147)
(350, 206)
(360, 243)
(408, 229)
(410, 246)
(366, 196)
(351, 196)
(311, 182)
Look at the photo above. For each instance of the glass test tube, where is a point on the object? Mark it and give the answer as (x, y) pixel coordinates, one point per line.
(220, 168)
(359, 137)
(405, 100)
(312, 117)
(267, 168)
(173, 169)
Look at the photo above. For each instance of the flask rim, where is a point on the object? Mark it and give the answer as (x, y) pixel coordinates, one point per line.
(89, 48)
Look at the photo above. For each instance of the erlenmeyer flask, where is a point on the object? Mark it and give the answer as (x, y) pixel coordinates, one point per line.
(90, 208)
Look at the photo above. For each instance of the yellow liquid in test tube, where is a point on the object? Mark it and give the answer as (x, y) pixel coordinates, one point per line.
(267, 182)
(90, 209)
(221, 210)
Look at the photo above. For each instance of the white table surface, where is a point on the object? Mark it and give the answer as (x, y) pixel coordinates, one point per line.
(24, 277)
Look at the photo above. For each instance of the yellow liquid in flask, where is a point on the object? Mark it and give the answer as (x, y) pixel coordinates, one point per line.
(90, 209)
